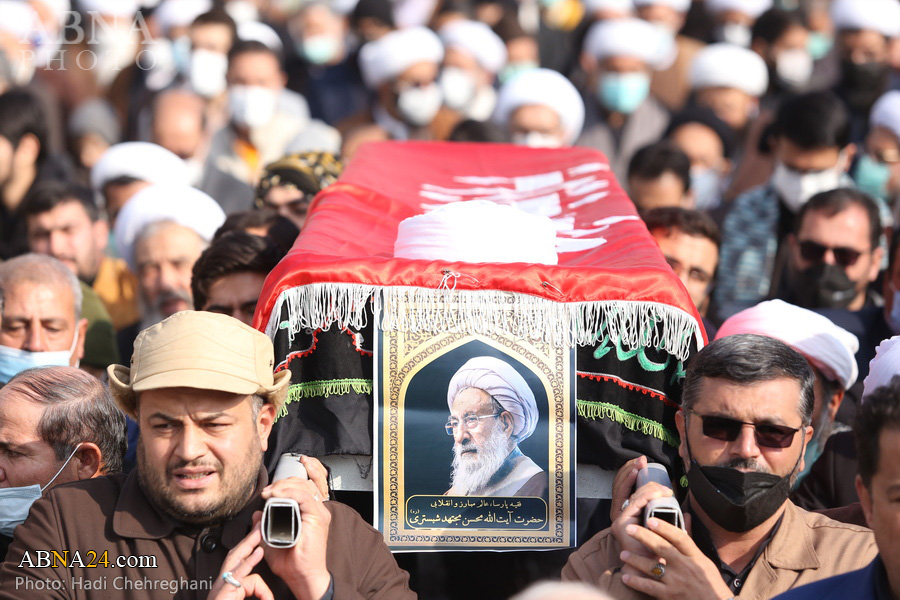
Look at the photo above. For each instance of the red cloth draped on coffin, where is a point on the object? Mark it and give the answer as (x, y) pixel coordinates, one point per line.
(605, 251)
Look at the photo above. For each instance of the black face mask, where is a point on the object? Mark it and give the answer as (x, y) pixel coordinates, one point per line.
(734, 500)
(863, 83)
(823, 286)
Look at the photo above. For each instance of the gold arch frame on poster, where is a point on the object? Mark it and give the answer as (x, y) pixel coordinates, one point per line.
(406, 354)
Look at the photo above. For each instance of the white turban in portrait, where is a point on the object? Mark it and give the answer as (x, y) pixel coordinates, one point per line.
(502, 382)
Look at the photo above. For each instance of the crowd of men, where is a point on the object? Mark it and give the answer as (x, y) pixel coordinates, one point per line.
(158, 159)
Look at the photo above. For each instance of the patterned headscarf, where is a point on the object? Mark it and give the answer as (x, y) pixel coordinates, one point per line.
(309, 172)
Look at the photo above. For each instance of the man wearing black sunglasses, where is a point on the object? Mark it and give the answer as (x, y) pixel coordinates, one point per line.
(744, 424)
(834, 252)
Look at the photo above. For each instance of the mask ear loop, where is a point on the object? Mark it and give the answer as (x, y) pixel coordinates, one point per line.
(64, 464)
(71, 353)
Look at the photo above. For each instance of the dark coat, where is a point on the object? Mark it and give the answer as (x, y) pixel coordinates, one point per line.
(112, 514)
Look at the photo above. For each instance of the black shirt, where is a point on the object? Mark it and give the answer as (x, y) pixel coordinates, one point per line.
(733, 579)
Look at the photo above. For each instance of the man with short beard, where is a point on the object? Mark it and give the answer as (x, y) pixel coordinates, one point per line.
(186, 522)
(492, 410)
(744, 424)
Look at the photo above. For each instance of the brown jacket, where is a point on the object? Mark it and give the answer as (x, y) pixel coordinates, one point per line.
(806, 548)
(112, 514)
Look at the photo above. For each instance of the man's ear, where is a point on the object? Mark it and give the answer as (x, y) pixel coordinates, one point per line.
(681, 426)
(865, 499)
(101, 234)
(88, 461)
(78, 353)
(264, 422)
(875, 268)
(28, 150)
(849, 154)
(507, 421)
(835, 403)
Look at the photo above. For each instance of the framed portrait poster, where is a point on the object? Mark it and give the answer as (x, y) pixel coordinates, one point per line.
(475, 440)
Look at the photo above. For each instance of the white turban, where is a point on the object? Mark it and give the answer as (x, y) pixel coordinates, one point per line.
(181, 204)
(681, 6)
(634, 38)
(504, 384)
(387, 57)
(179, 13)
(546, 88)
(477, 231)
(478, 40)
(254, 31)
(18, 19)
(730, 66)
(751, 8)
(830, 348)
(113, 8)
(140, 160)
(882, 16)
(886, 113)
(623, 6)
(883, 367)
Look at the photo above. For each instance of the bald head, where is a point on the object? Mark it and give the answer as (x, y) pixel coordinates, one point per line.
(43, 270)
(178, 122)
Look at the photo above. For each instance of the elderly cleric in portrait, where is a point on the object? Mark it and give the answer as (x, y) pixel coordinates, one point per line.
(492, 410)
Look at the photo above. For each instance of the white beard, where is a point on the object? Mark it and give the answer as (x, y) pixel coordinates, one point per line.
(472, 472)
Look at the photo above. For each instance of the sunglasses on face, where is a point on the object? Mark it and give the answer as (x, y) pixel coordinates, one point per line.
(815, 252)
(727, 430)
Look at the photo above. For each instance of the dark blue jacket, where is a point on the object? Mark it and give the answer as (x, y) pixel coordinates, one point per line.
(863, 584)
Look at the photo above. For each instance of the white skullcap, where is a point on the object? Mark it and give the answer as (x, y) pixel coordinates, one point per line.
(387, 57)
(628, 37)
(502, 382)
(681, 6)
(830, 348)
(478, 40)
(179, 13)
(730, 66)
(546, 88)
(181, 204)
(623, 6)
(883, 367)
(18, 19)
(113, 8)
(882, 16)
(140, 160)
(751, 8)
(886, 113)
(477, 231)
(254, 31)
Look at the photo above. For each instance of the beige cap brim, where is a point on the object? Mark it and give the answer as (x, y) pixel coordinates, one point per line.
(124, 393)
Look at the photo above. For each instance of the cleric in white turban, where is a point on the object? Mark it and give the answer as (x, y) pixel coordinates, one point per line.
(492, 409)
(540, 108)
(883, 367)
(729, 80)
(829, 349)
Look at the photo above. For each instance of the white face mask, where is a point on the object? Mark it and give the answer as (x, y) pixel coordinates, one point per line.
(795, 189)
(15, 502)
(252, 106)
(458, 88)
(13, 361)
(536, 139)
(734, 33)
(207, 72)
(419, 105)
(794, 67)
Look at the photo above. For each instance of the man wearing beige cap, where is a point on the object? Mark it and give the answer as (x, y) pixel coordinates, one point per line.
(202, 390)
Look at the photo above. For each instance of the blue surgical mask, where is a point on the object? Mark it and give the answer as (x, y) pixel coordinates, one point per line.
(819, 44)
(623, 92)
(320, 49)
(13, 361)
(15, 502)
(707, 188)
(871, 176)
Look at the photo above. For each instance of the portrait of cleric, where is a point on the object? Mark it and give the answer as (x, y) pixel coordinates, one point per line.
(492, 410)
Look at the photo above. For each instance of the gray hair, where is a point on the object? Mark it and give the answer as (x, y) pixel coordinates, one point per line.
(747, 359)
(77, 408)
(155, 227)
(565, 590)
(43, 270)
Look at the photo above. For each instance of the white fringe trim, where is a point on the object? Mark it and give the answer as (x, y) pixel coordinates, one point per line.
(635, 324)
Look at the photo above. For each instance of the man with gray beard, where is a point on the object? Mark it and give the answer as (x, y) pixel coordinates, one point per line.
(492, 410)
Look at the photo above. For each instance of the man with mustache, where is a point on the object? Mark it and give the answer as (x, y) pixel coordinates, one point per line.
(744, 425)
(492, 410)
(185, 523)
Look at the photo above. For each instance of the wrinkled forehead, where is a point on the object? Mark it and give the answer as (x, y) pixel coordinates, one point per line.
(471, 401)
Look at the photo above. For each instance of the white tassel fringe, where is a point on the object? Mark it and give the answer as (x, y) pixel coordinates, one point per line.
(635, 324)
